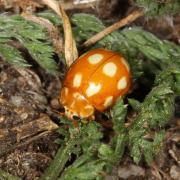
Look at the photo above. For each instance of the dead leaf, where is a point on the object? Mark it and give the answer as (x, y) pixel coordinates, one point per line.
(175, 172)
(132, 170)
(70, 49)
(71, 53)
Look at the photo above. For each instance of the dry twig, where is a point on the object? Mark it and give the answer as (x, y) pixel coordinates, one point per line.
(130, 18)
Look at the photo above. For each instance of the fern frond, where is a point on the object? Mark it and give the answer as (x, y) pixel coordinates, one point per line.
(54, 18)
(12, 55)
(84, 168)
(154, 8)
(83, 143)
(156, 110)
(32, 36)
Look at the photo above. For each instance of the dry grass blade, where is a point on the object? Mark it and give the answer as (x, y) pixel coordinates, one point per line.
(71, 52)
(53, 31)
(130, 18)
(54, 5)
(70, 49)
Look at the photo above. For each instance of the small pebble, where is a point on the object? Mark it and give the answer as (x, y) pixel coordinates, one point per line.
(16, 100)
(175, 172)
(55, 103)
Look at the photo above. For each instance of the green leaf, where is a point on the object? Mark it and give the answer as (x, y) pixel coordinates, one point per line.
(154, 8)
(147, 148)
(135, 104)
(152, 148)
(152, 53)
(106, 153)
(88, 171)
(84, 139)
(136, 152)
(32, 36)
(156, 110)
(119, 141)
(54, 18)
(118, 114)
(43, 54)
(12, 56)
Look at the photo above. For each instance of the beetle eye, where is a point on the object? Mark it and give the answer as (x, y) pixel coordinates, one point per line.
(62, 110)
(76, 118)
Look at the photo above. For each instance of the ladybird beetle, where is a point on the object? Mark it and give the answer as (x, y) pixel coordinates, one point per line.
(94, 82)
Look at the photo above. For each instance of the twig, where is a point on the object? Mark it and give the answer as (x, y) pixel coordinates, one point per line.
(59, 161)
(53, 31)
(130, 18)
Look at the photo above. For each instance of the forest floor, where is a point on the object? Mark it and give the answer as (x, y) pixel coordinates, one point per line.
(28, 118)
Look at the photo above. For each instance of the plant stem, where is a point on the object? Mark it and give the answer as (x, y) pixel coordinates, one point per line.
(79, 161)
(59, 161)
(120, 146)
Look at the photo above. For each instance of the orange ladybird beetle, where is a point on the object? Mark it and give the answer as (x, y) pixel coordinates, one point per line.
(94, 82)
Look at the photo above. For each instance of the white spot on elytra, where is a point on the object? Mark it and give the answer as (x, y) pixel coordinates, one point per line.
(93, 89)
(108, 102)
(95, 58)
(122, 83)
(126, 64)
(110, 69)
(77, 80)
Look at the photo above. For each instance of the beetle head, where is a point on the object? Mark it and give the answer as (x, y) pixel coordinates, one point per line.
(75, 104)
